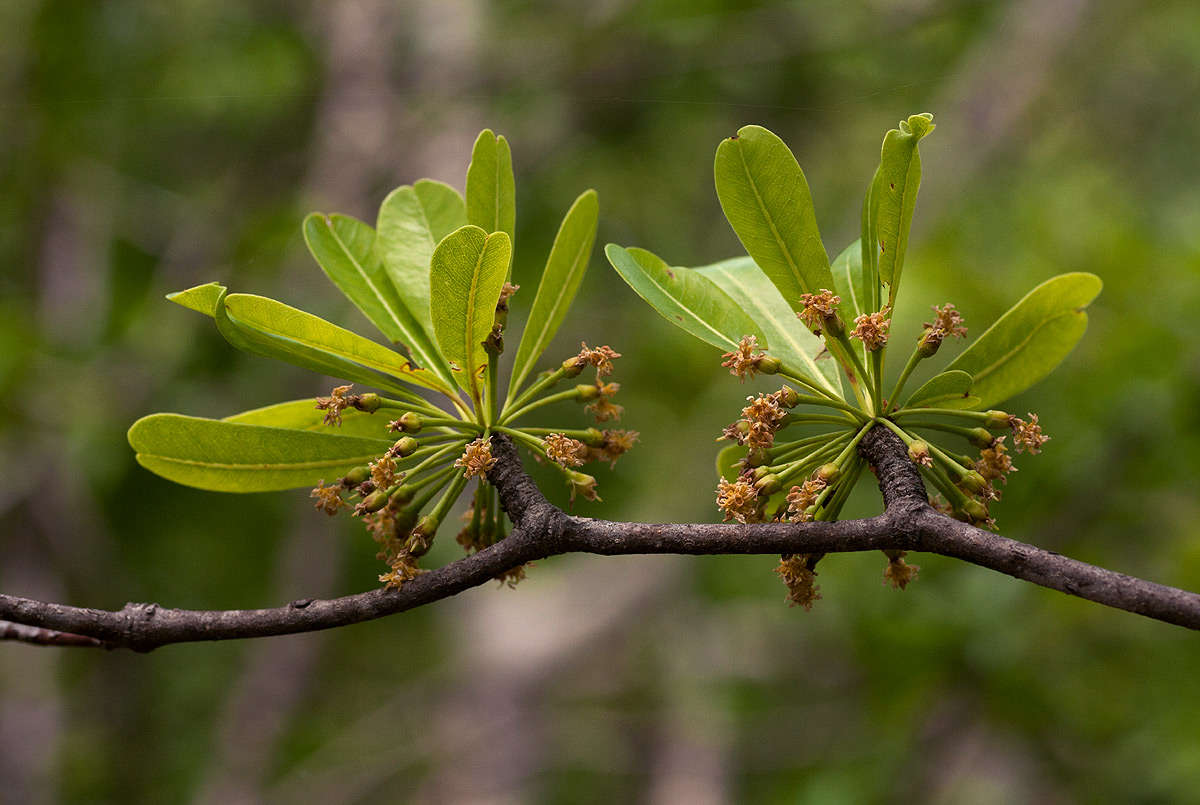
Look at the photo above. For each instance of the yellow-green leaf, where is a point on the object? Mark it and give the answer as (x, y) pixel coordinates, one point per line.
(1032, 338)
(202, 298)
(786, 337)
(234, 457)
(685, 298)
(344, 247)
(491, 191)
(412, 220)
(893, 197)
(304, 415)
(766, 199)
(951, 389)
(466, 274)
(564, 271)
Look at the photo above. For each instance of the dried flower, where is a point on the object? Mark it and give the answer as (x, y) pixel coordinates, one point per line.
(616, 443)
(800, 498)
(899, 573)
(383, 472)
(600, 357)
(947, 321)
(994, 463)
(872, 328)
(564, 450)
(506, 292)
(764, 408)
(738, 499)
(329, 499)
(602, 408)
(339, 400)
(918, 453)
(513, 576)
(1028, 435)
(477, 458)
(819, 308)
(583, 484)
(797, 573)
(743, 362)
(404, 568)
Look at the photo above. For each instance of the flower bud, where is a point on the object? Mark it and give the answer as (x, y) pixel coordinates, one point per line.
(409, 422)
(583, 484)
(356, 476)
(973, 482)
(975, 511)
(981, 438)
(368, 402)
(572, 366)
(404, 447)
(998, 420)
(768, 365)
(929, 342)
(374, 501)
(918, 453)
(402, 494)
(768, 484)
(829, 472)
(587, 392)
(788, 397)
(421, 537)
(593, 437)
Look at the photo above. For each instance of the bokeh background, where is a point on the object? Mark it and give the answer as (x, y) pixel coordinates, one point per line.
(148, 147)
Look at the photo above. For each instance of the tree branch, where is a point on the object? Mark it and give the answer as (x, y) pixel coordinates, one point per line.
(542, 530)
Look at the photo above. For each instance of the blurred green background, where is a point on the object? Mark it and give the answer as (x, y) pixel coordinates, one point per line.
(147, 147)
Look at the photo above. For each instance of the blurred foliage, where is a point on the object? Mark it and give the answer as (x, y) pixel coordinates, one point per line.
(152, 147)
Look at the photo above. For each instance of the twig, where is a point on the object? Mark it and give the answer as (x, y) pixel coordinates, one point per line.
(542, 530)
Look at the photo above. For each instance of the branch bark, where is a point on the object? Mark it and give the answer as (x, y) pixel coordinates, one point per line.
(542, 530)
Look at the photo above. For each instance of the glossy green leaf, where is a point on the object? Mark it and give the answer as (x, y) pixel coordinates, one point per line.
(685, 298)
(1032, 338)
(344, 247)
(234, 457)
(868, 243)
(785, 336)
(951, 389)
(466, 274)
(851, 283)
(202, 298)
(304, 415)
(412, 220)
(265, 327)
(765, 197)
(727, 461)
(491, 191)
(565, 268)
(894, 196)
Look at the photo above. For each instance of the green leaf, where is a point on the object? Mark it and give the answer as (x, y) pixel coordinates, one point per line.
(202, 298)
(303, 415)
(265, 327)
(727, 460)
(765, 197)
(685, 298)
(851, 283)
(786, 337)
(466, 274)
(565, 267)
(233, 457)
(344, 247)
(894, 196)
(491, 192)
(951, 389)
(411, 222)
(1032, 338)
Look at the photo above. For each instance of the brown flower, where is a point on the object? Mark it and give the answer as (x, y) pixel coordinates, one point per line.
(947, 321)
(329, 499)
(872, 329)
(616, 444)
(339, 400)
(404, 568)
(743, 362)
(600, 357)
(738, 499)
(994, 462)
(383, 472)
(564, 450)
(477, 458)
(506, 292)
(800, 498)
(1028, 435)
(899, 573)
(818, 308)
(602, 407)
(797, 573)
(583, 484)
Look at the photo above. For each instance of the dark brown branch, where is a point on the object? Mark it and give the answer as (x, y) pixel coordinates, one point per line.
(542, 530)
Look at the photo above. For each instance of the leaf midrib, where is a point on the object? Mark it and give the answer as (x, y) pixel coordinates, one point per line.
(296, 465)
(686, 309)
(795, 269)
(537, 346)
(1006, 356)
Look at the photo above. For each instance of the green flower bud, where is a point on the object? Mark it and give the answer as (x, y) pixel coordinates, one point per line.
(998, 420)
(374, 501)
(829, 472)
(368, 402)
(981, 438)
(593, 437)
(409, 422)
(587, 392)
(757, 457)
(973, 482)
(402, 494)
(929, 342)
(768, 365)
(572, 366)
(975, 511)
(789, 397)
(768, 484)
(404, 447)
(356, 476)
